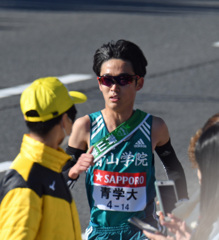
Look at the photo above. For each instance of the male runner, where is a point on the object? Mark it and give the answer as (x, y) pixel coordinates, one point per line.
(121, 182)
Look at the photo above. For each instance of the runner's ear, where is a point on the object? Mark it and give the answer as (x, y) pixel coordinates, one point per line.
(100, 86)
(140, 83)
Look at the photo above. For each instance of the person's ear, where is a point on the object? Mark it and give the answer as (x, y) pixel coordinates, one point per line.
(100, 86)
(63, 120)
(140, 83)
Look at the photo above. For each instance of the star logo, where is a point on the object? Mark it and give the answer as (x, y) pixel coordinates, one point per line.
(98, 177)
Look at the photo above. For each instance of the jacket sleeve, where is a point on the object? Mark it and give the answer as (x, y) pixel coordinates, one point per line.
(20, 214)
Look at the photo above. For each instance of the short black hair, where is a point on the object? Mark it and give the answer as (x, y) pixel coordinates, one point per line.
(43, 128)
(122, 49)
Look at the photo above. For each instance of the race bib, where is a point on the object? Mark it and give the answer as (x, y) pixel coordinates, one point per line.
(115, 191)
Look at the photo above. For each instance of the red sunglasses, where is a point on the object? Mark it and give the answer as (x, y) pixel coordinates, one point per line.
(121, 80)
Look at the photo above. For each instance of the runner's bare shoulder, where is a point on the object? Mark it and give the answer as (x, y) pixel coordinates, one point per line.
(160, 133)
(80, 135)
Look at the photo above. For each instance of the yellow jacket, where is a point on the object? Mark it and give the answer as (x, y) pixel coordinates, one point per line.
(35, 202)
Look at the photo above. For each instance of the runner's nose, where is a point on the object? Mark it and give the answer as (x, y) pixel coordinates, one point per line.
(115, 86)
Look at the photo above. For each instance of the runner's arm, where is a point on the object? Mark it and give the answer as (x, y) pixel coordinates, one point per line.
(78, 142)
(167, 155)
(75, 154)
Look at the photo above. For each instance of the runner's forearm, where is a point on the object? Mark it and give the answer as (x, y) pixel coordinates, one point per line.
(173, 168)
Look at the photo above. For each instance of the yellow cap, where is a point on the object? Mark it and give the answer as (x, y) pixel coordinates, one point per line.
(49, 97)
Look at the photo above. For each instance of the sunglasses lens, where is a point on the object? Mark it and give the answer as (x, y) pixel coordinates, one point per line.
(122, 80)
(107, 81)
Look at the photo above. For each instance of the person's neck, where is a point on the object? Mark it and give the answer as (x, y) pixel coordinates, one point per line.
(114, 118)
(50, 140)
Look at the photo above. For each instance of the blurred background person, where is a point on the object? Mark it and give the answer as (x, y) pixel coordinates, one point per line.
(204, 154)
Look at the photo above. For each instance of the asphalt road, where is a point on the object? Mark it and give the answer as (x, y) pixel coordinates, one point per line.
(44, 38)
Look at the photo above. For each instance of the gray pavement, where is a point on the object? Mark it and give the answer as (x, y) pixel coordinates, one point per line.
(58, 38)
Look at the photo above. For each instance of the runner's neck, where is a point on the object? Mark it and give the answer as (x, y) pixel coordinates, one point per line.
(114, 119)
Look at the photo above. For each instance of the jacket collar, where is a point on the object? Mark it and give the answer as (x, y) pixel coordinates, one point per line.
(40, 153)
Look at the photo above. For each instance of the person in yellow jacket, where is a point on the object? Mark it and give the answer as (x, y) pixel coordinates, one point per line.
(35, 202)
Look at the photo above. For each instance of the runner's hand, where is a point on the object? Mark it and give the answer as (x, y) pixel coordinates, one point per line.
(82, 165)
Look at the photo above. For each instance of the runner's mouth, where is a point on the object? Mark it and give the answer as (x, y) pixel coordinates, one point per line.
(114, 98)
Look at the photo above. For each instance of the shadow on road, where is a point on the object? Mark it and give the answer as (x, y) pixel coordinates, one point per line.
(130, 6)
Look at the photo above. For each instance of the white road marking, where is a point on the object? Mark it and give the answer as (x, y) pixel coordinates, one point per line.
(5, 166)
(66, 79)
(216, 44)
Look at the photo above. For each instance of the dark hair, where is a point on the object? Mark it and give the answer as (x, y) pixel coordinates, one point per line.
(207, 157)
(43, 128)
(72, 112)
(124, 50)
